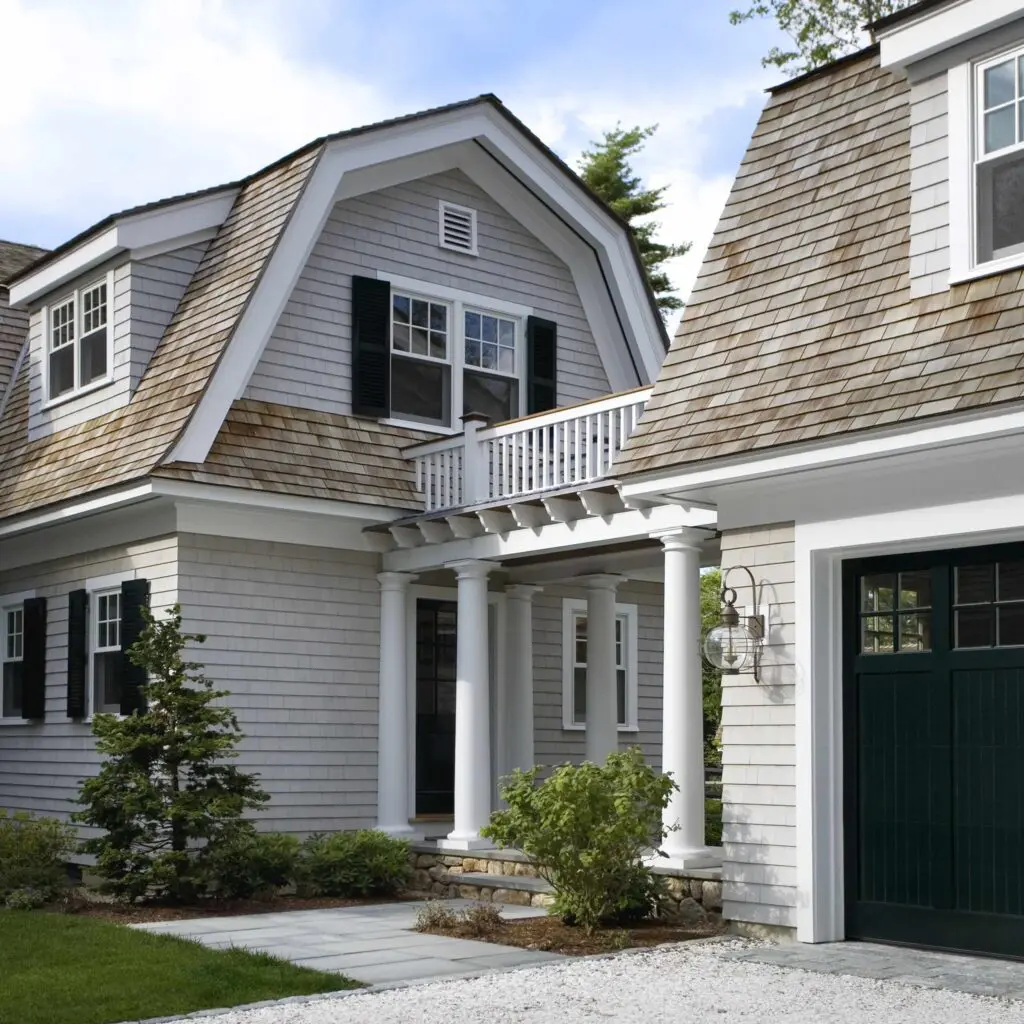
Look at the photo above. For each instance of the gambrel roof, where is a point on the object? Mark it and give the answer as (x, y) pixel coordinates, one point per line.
(801, 327)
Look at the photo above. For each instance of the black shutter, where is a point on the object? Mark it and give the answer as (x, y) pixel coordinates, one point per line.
(131, 678)
(78, 652)
(33, 667)
(541, 365)
(371, 347)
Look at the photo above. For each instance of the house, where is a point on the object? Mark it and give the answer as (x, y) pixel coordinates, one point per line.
(846, 393)
(357, 414)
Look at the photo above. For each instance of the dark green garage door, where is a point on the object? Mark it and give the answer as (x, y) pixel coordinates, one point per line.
(934, 749)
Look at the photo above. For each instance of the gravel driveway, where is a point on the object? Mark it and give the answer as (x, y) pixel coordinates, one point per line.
(688, 984)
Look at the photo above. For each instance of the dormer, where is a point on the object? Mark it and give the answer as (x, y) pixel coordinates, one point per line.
(964, 60)
(98, 306)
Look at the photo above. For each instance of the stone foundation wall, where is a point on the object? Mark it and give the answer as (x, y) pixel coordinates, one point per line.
(691, 899)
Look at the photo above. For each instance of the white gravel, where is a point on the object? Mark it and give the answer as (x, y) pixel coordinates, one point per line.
(684, 984)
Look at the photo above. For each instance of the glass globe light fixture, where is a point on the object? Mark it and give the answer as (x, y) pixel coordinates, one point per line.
(734, 645)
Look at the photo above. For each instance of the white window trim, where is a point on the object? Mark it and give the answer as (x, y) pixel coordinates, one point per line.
(76, 295)
(442, 205)
(963, 132)
(571, 607)
(458, 302)
(94, 587)
(7, 603)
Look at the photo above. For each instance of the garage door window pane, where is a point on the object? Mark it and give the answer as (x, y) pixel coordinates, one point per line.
(975, 584)
(1011, 581)
(975, 627)
(1011, 625)
(915, 631)
(878, 593)
(877, 634)
(915, 590)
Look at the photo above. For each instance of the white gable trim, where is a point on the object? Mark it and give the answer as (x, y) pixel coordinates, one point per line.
(169, 227)
(330, 179)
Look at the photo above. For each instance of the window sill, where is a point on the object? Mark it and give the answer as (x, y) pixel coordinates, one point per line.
(96, 385)
(989, 269)
(6, 722)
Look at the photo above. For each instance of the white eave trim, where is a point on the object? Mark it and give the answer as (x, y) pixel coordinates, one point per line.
(114, 499)
(946, 435)
(144, 234)
(916, 38)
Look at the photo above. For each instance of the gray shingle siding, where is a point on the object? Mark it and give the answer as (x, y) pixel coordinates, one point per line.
(929, 187)
(307, 361)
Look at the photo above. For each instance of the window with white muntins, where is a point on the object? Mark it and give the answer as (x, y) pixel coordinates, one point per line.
(78, 341)
(13, 653)
(105, 640)
(453, 355)
(574, 665)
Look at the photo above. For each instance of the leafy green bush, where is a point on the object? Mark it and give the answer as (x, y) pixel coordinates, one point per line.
(251, 862)
(713, 822)
(587, 828)
(364, 863)
(26, 899)
(33, 854)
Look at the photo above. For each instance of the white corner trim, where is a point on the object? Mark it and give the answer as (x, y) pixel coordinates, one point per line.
(960, 123)
(488, 303)
(167, 225)
(928, 33)
(571, 607)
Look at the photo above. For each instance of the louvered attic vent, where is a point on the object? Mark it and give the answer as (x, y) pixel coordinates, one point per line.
(457, 227)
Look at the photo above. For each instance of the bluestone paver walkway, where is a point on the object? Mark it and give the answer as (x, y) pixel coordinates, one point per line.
(977, 975)
(373, 944)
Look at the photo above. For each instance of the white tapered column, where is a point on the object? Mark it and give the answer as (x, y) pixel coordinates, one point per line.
(602, 702)
(393, 708)
(472, 710)
(682, 747)
(518, 718)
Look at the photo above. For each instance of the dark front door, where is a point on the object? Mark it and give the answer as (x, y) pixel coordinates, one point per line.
(435, 706)
(934, 749)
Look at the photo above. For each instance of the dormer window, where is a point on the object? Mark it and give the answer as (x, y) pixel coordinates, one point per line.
(999, 157)
(78, 341)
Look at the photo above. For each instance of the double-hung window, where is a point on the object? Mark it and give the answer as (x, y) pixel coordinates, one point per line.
(451, 355)
(77, 339)
(13, 655)
(105, 639)
(574, 665)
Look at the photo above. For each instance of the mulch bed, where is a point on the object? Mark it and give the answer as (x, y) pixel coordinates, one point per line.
(142, 913)
(551, 935)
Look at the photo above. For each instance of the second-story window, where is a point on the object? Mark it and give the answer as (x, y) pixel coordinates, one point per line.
(999, 157)
(77, 341)
(449, 358)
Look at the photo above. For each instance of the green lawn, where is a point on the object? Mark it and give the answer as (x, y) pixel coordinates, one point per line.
(58, 969)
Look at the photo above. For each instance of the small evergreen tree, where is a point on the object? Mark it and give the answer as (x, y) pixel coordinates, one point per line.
(606, 170)
(164, 795)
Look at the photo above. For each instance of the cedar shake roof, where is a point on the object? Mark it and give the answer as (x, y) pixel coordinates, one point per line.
(801, 327)
(14, 258)
(268, 447)
(13, 322)
(129, 443)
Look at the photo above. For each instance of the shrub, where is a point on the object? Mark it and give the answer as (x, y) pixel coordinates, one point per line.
(251, 862)
(33, 854)
(480, 919)
(713, 822)
(166, 790)
(26, 899)
(587, 828)
(364, 863)
(434, 916)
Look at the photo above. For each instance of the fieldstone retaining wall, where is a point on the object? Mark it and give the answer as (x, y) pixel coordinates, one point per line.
(515, 880)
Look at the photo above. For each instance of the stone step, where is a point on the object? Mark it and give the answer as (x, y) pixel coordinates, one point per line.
(519, 883)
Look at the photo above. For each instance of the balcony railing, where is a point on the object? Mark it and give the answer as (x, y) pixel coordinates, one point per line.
(549, 451)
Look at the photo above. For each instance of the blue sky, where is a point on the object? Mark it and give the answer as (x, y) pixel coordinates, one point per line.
(118, 102)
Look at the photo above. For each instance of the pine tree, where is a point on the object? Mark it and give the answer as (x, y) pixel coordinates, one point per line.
(164, 793)
(821, 30)
(607, 171)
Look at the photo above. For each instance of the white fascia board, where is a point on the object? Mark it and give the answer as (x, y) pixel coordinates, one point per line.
(168, 227)
(593, 531)
(916, 38)
(115, 499)
(244, 497)
(944, 436)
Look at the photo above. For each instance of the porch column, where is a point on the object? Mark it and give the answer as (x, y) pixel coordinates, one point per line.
(602, 703)
(682, 741)
(472, 709)
(393, 708)
(518, 725)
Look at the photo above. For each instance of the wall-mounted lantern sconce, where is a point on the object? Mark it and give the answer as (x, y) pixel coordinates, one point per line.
(733, 645)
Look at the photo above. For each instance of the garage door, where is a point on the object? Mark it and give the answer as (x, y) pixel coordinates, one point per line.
(934, 749)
